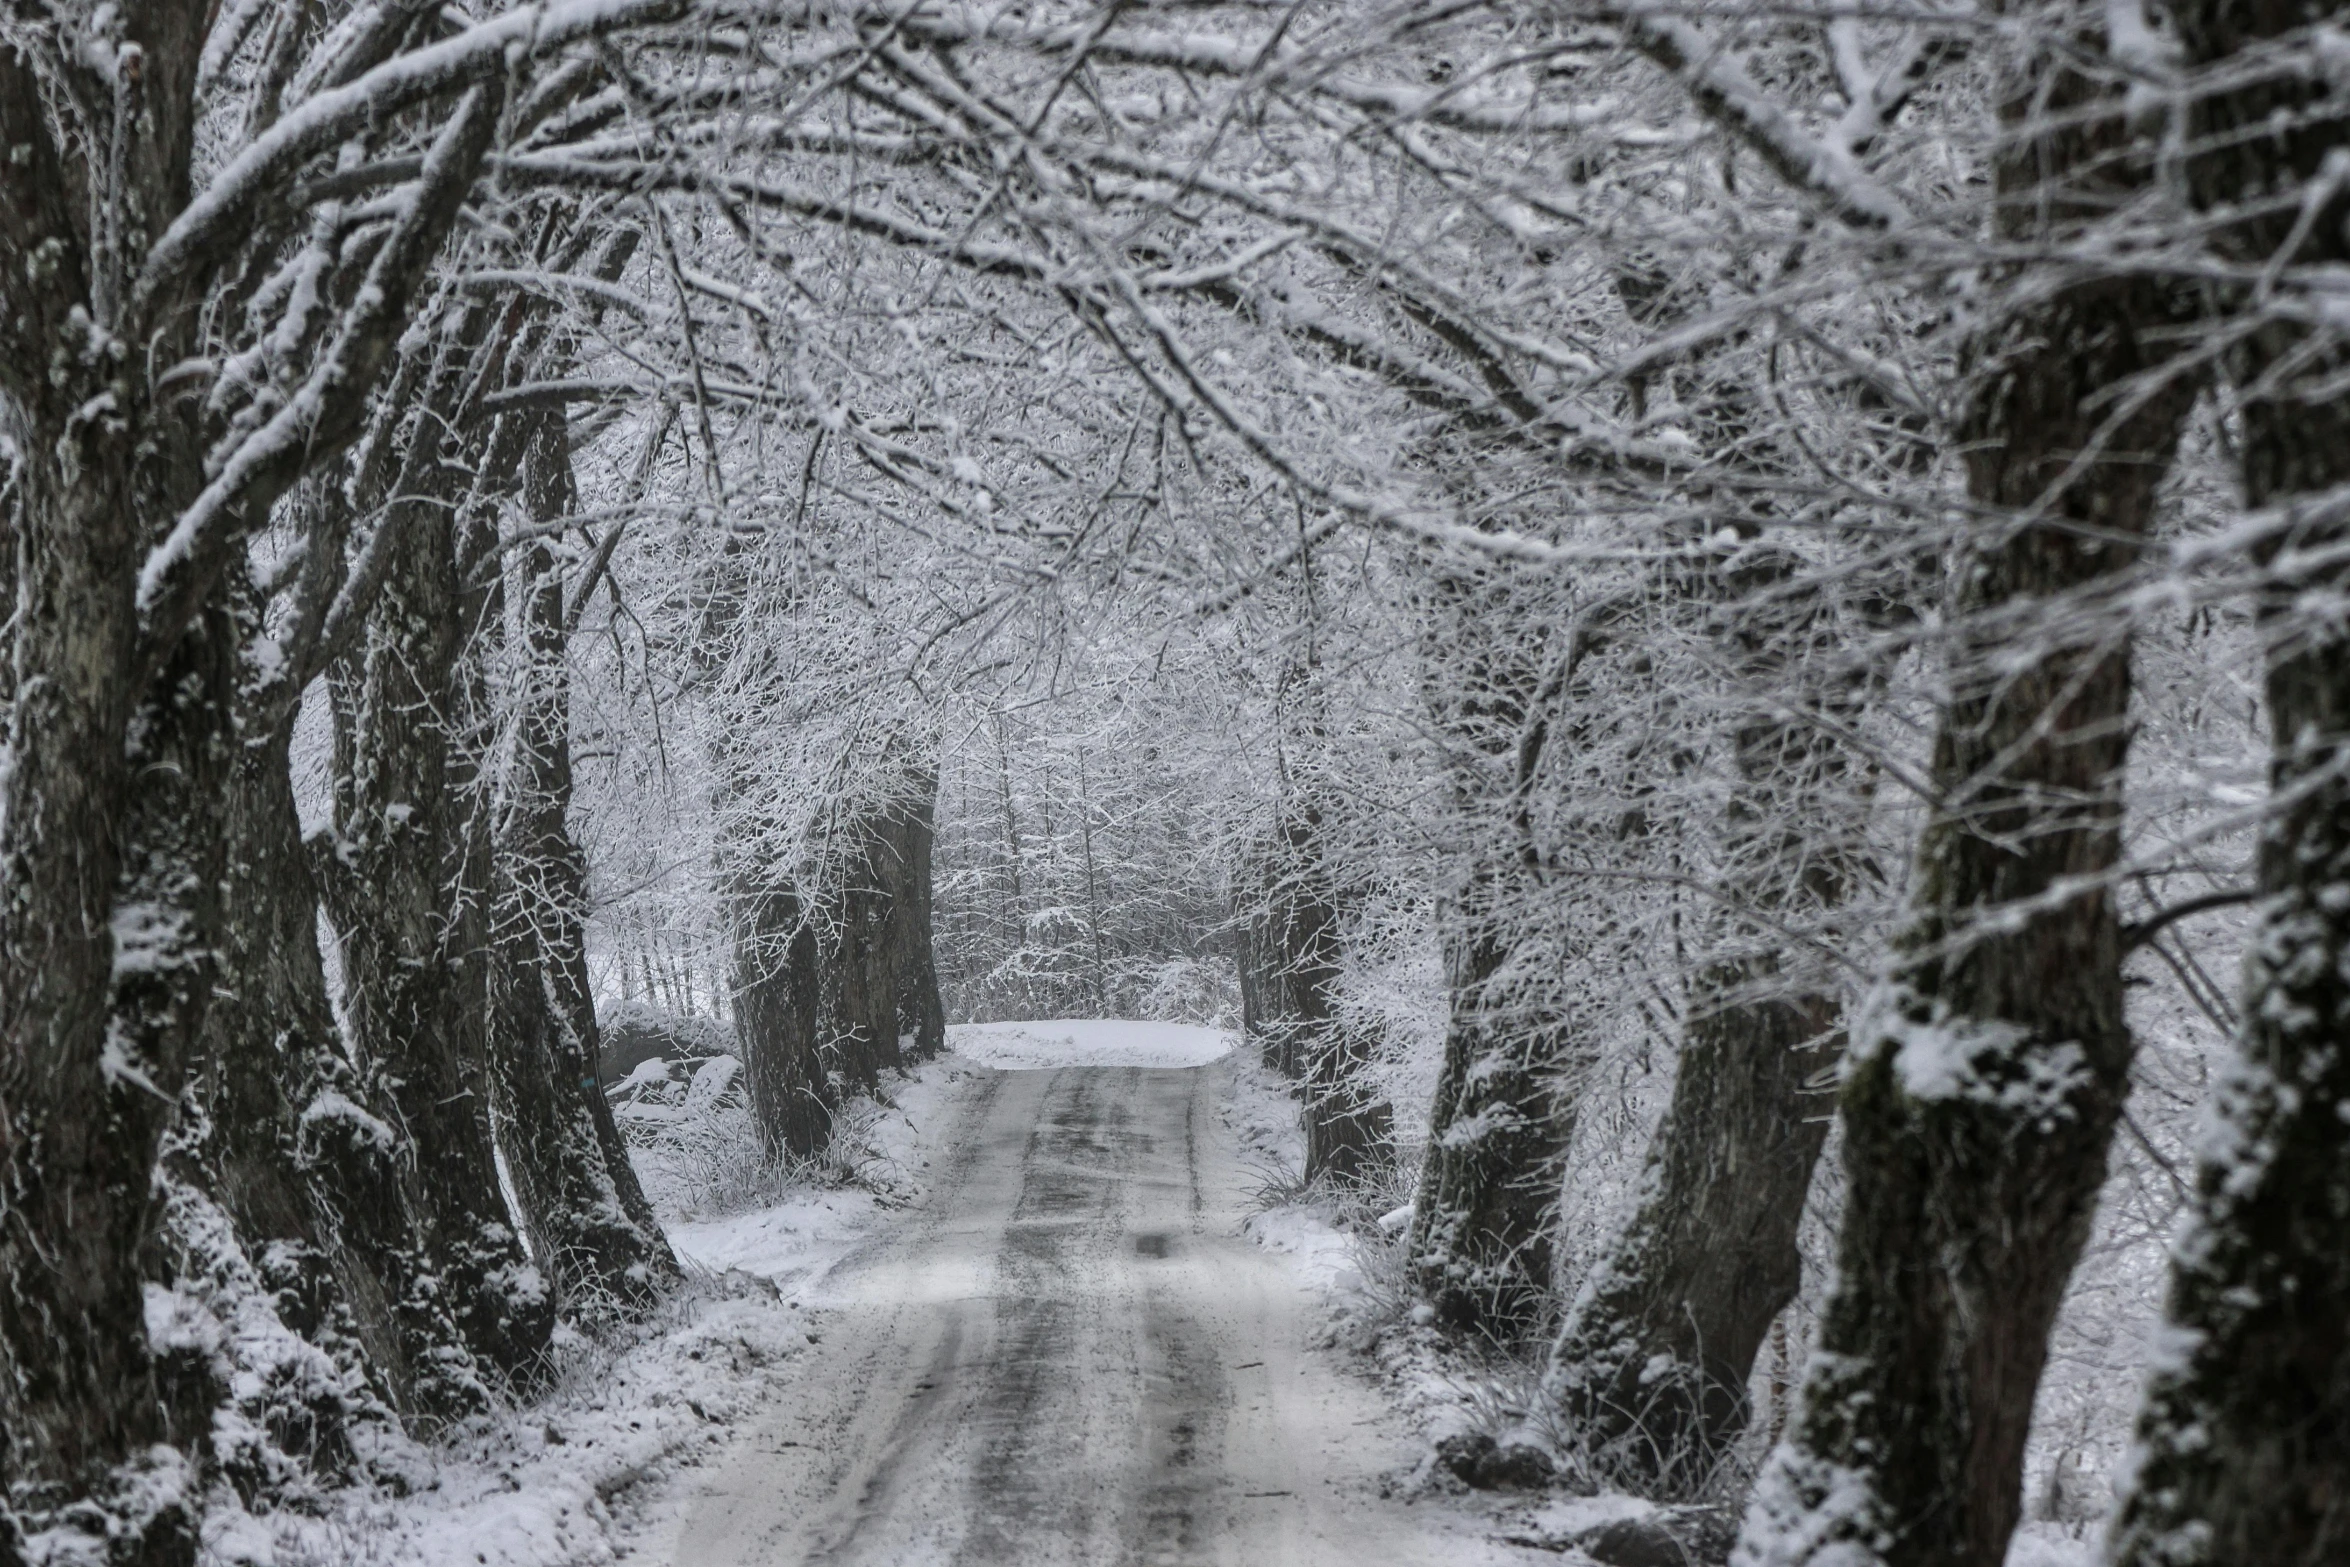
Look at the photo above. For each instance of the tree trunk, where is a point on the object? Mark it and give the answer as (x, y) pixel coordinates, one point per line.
(858, 1026)
(589, 1222)
(112, 836)
(1988, 1075)
(778, 991)
(1652, 1365)
(406, 889)
(1263, 1003)
(875, 976)
(318, 1210)
(1350, 1135)
(1278, 969)
(2245, 1434)
(113, 856)
(906, 873)
(1295, 940)
(109, 866)
(1479, 1250)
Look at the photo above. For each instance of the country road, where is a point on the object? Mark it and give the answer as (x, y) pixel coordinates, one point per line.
(1069, 1354)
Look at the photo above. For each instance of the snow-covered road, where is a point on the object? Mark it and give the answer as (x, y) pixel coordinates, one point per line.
(1068, 1354)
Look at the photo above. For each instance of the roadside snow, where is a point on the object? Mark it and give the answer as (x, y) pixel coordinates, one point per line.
(2041, 1543)
(1564, 1517)
(556, 1483)
(549, 1485)
(571, 1478)
(794, 1243)
(1087, 1042)
(791, 1245)
(1263, 1116)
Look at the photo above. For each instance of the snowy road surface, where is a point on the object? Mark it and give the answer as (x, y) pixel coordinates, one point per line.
(1070, 1354)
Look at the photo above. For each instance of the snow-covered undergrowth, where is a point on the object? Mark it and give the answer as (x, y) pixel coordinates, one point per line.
(552, 1483)
(548, 1485)
(1349, 1246)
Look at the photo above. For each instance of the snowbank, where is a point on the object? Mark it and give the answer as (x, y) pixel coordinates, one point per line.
(1087, 1042)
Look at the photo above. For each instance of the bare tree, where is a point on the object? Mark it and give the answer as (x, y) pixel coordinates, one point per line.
(2246, 1427)
(1987, 1077)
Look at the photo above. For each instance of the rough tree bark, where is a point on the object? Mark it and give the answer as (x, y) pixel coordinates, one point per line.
(1480, 1243)
(903, 865)
(406, 888)
(1479, 1249)
(111, 841)
(1268, 999)
(825, 1005)
(778, 992)
(589, 1222)
(106, 925)
(1651, 1366)
(857, 1024)
(879, 975)
(1987, 1077)
(273, 1131)
(2245, 1435)
(1292, 947)
(98, 1042)
(1277, 999)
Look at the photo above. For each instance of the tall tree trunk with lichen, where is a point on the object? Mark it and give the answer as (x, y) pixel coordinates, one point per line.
(1651, 1366)
(1293, 938)
(1988, 1075)
(2245, 1434)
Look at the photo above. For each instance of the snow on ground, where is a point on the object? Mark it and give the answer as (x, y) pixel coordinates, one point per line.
(791, 1243)
(557, 1483)
(1087, 1042)
(567, 1479)
(1352, 1254)
(2043, 1543)
(1263, 1115)
(546, 1486)
(1358, 1277)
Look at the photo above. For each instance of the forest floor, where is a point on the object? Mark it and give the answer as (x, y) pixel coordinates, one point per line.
(1061, 1314)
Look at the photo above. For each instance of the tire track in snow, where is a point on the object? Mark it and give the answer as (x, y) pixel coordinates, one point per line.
(1069, 1355)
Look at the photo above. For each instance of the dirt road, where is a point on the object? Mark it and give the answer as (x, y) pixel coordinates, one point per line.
(1069, 1355)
